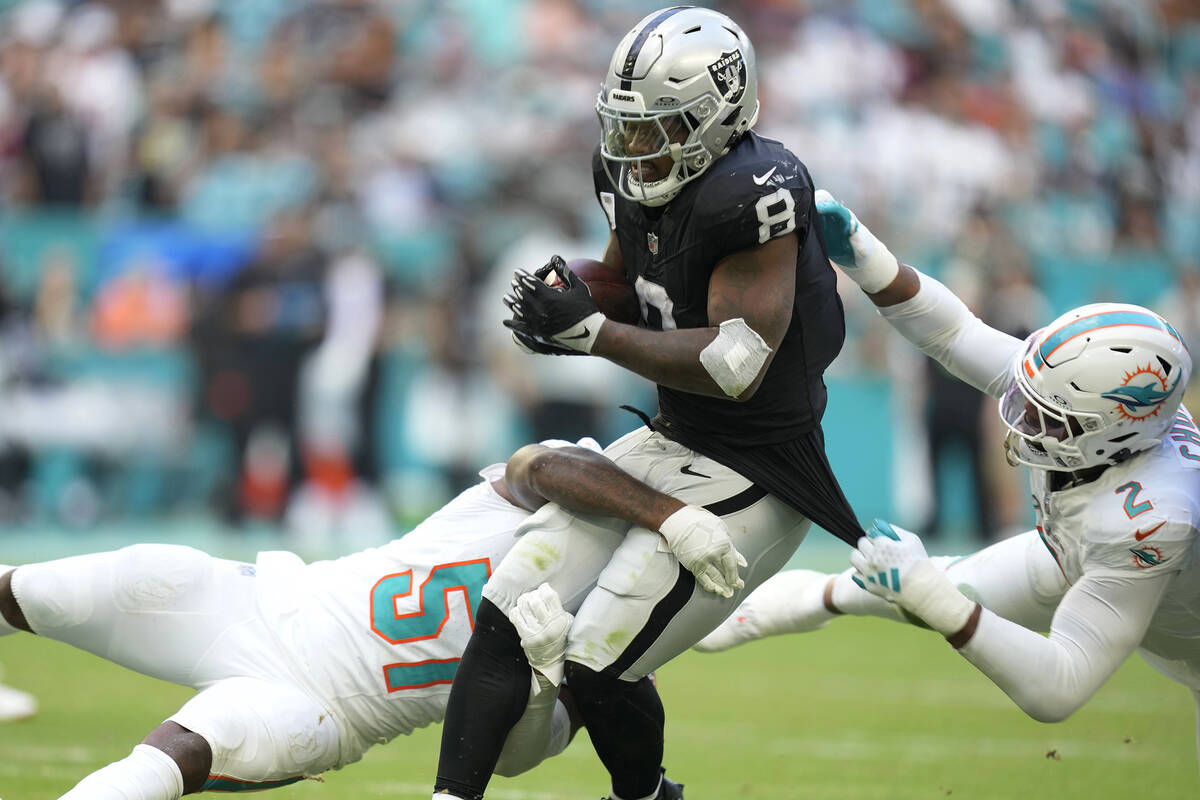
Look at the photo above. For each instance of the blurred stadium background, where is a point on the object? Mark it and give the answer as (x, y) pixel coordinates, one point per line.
(251, 251)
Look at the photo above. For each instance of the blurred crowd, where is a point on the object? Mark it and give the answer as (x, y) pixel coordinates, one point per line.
(251, 251)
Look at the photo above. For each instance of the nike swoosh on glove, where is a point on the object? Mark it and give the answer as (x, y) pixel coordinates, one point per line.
(543, 625)
(544, 316)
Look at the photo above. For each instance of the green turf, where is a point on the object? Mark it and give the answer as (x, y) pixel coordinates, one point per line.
(866, 710)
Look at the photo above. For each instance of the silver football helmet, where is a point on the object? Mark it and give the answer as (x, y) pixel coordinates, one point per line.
(682, 86)
(1101, 382)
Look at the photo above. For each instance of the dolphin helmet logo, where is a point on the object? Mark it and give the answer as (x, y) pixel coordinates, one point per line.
(1138, 401)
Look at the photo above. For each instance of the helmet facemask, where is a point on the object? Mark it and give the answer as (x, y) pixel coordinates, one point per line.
(636, 143)
(1043, 435)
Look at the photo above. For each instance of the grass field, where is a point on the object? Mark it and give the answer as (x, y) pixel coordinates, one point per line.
(865, 710)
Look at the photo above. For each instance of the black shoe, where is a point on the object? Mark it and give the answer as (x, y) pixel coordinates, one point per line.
(667, 789)
(670, 790)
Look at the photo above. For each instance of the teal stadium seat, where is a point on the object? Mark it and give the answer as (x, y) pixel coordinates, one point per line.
(28, 239)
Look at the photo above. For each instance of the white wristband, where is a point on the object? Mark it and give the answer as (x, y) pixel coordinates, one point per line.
(874, 265)
(930, 595)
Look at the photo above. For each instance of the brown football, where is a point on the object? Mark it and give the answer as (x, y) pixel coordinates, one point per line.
(614, 295)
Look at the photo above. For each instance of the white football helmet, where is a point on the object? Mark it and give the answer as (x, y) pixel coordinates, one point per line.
(1100, 383)
(682, 84)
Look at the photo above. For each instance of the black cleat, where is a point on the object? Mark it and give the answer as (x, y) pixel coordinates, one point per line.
(667, 789)
(670, 790)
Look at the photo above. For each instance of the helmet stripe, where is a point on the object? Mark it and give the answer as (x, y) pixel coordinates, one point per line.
(1084, 325)
(639, 42)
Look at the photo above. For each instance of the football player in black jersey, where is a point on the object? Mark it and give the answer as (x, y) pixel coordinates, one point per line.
(716, 228)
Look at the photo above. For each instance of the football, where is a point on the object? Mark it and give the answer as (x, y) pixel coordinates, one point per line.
(614, 294)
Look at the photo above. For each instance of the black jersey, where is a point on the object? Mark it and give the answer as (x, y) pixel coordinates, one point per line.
(757, 192)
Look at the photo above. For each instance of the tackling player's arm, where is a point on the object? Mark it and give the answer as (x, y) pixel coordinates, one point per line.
(756, 286)
(919, 307)
(1098, 624)
(1100, 621)
(581, 480)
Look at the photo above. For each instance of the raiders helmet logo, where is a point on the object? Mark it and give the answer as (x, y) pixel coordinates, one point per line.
(729, 76)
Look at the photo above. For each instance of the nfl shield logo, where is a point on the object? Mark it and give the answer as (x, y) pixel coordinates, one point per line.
(652, 243)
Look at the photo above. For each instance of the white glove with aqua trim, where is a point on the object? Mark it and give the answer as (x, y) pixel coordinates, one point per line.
(701, 543)
(543, 625)
(892, 563)
(853, 247)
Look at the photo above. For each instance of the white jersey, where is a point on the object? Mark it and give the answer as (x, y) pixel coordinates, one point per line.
(1137, 520)
(378, 634)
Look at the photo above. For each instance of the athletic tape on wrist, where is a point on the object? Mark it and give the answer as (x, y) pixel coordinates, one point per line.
(930, 595)
(874, 265)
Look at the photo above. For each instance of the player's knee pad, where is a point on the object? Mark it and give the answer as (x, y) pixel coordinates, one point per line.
(260, 733)
(151, 577)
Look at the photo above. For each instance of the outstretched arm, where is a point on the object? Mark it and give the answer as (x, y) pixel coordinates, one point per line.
(1098, 624)
(919, 307)
(581, 480)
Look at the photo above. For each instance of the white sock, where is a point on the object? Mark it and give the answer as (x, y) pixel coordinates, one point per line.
(5, 628)
(145, 774)
(443, 796)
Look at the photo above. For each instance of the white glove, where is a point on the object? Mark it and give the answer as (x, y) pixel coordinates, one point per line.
(892, 563)
(701, 542)
(853, 247)
(543, 625)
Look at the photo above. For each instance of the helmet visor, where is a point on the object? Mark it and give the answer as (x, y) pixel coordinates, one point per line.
(1027, 415)
(1042, 434)
(627, 138)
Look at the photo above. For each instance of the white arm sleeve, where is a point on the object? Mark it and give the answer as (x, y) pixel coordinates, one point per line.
(1099, 623)
(943, 328)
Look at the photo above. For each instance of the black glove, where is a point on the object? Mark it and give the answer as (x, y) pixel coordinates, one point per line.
(553, 319)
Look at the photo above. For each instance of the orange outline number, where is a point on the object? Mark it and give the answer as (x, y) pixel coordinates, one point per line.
(1132, 509)
(467, 577)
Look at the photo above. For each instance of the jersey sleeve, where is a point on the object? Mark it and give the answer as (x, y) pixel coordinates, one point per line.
(1098, 624)
(1139, 522)
(749, 207)
(1149, 544)
(943, 328)
(605, 193)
